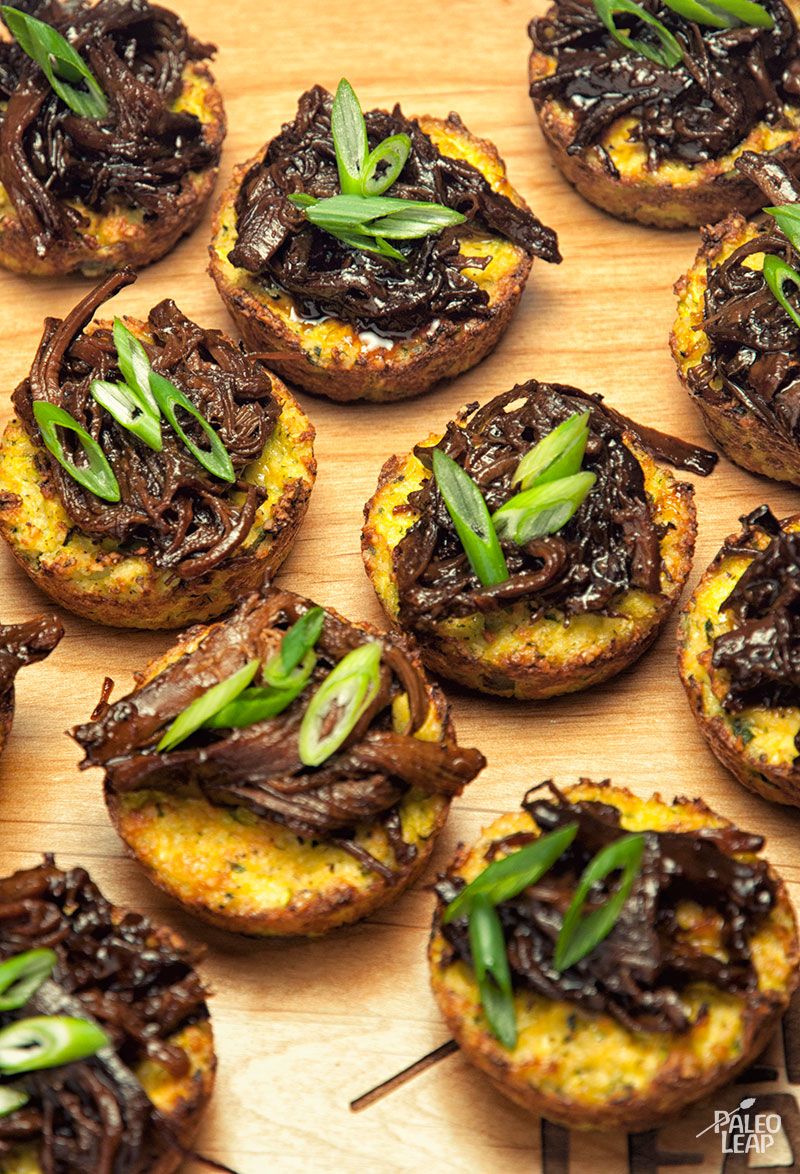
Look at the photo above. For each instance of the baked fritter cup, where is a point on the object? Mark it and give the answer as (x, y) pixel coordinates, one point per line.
(122, 189)
(351, 358)
(22, 644)
(515, 641)
(618, 144)
(138, 983)
(737, 645)
(137, 577)
(585, 1067)
(235, 826)
(736, 348)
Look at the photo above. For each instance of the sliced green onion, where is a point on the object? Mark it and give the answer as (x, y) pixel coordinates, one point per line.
(505, 878)
(776, 274)
(723, 14)
(125, 406)
(98, 476)
(299, 640)
(208, 704)
(488, 947)
(11, 1099)
(216, 459)
(339, 702)
(558, 454)
(349, 137)
(47, 1041)
(670, 52)
(22, 975)
(261, 702)
(579, 935)
(467, 508)
(392, 151)
(787, 219)
(134, 365)
(367, 244)
(543, 509)
(59, 61)
(414, 220)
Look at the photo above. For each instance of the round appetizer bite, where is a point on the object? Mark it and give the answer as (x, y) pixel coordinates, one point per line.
(608, 960)
(736, 339)
(645, 107)
(520, 573)
(283, 772)
(355, 294)
(739, 655)
(22, 644)
(111, 128)
(106, 1049)
(154, 471)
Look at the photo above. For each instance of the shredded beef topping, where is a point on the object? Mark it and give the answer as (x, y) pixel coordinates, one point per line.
(728, 81)
(258, 766)
(186, 517)
(761, 653)
(611, 542)
(138, 155)
(93, 1116)
(754, 350)
(22, 644)
(277, 243)
(639, 972)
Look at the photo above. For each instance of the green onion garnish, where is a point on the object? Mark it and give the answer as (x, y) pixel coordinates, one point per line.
(59, 61)
(776, 274)
(97, 476)
(47, 1041)
(787, 218)
(723, 14)
(11, 1099)
(126, 407)
(216, 459)
(580, 934)
(467, 508)
(261, 702)
(298, 641)
(361, 217)
(670, 52)
(558, 454)
(22, 975)
(505, 878)
(208, 704)
(543, 509)
(489, 958)
(339, 702)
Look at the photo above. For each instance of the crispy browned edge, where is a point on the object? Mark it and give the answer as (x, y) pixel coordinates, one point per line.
(663, 204)
(742, 436)
(325, 911)
(138, 244)
(668, 1093)
(454, 348)
(6, 716)
(191, 600)
(779, 782)
(525, 681)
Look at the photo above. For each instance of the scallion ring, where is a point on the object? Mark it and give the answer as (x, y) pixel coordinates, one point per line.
(468, 510)
(206, 705)
(670, 52)
(543, 509)
(216, 459)
(47, 1041)
(558, 454)
(776, 274)
(339, 702)
(22, 975)
(506, 878)
(392, 152)
(580, 934)
(61, 64)
(11, 1099)
(98, 476)
(490, 961)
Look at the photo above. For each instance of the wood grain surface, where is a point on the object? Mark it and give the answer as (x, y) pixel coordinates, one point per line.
(304, 1027)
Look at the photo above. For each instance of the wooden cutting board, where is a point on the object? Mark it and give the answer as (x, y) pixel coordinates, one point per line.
(304, 1027)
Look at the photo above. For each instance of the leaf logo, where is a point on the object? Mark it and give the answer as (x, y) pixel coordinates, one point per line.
(746, 1104)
